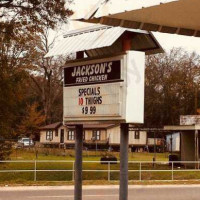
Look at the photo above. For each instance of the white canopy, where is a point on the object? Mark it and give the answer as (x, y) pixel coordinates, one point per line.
(100, 40)
(180, 17)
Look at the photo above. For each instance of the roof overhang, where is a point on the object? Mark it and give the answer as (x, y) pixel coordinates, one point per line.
(182, 128)
(101, 40)
(179, 17)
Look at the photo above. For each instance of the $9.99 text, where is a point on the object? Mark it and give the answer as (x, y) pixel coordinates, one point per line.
(89, 110)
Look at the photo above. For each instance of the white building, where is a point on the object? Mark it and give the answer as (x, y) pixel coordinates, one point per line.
(173, 142)
(102, 135)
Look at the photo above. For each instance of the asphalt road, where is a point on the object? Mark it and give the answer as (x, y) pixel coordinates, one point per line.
(184, 192)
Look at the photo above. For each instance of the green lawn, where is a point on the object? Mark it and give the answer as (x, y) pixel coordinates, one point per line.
(59, 154)
(52, 155)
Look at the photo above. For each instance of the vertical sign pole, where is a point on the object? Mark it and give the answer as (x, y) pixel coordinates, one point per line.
(78, 153)
(124, 137)
(78, 162)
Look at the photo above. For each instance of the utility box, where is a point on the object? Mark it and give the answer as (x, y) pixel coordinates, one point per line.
(105, 89)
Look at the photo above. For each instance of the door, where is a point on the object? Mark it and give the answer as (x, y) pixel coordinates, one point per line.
(62, 136)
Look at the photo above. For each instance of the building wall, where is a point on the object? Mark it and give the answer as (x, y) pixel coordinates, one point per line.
(187, 146)
(44, 140)
(113, 134)
(56, 139)
(150, 141)
(89, 134)
(65, 135)
(141, 141)
(114, 137)
(42, 136)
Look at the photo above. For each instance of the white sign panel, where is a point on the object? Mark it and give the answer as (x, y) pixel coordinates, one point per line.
(105, 89)
(190, 120)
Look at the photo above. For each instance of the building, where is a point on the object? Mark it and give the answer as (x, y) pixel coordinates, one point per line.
(101, 136)
(57, 134)
(188, 137)
(173, 142)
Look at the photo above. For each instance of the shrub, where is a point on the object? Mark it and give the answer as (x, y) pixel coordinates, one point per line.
(5, 150)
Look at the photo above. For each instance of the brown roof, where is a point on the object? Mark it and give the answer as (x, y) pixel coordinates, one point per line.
(95, 126)
(52, 126)
(85, 126)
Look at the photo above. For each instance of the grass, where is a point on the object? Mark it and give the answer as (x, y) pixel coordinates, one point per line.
(68, 155)
(59, 154)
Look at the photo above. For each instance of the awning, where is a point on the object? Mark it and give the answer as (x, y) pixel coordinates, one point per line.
(182, 128)
(101, 40)
(180, 17)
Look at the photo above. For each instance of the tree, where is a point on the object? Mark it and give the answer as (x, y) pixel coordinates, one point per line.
(5, 150)
(171, 79)
(21, 23)
(34, 13)
(32, 121)
(48, 79)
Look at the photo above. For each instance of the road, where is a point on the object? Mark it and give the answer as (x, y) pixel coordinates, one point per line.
(177, 192)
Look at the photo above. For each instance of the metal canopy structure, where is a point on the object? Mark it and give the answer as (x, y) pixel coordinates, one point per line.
(179, 17)
(102, 40)
(182, 128)
(189, 140)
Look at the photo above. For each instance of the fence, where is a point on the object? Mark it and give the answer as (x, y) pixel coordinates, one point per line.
(96, 170)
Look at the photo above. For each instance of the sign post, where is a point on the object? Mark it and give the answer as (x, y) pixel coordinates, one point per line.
(124, 137)
(78, 154)
(78, 162)
(104, 90)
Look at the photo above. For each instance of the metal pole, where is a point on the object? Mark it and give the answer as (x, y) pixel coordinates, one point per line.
(140, 176)
(78, 163)
(197, 135)
(124, 162)
(198, 149)
(108, 171)
(196, 140)
(73, 172)
(35, 172)
(96, 147)
(154, 149)
(172, 170)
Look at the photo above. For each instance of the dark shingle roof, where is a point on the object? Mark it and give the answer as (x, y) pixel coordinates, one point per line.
(51, 126)
(85, 126)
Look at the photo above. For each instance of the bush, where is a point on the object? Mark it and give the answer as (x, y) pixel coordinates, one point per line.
(5, 150)
(109, 159)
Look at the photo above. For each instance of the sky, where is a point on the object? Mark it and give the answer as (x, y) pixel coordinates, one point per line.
(82, 7)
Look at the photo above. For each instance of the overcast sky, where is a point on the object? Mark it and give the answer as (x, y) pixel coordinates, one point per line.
(168, 41)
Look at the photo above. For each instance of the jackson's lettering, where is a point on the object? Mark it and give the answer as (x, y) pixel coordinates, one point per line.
(95, 69)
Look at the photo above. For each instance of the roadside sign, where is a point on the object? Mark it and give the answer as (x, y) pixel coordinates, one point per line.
(190, 120)
(105, 89)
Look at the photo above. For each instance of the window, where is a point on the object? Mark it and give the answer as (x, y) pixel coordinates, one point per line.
(70, 135)
(137, 135)
(96, 134)
(49, 135)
